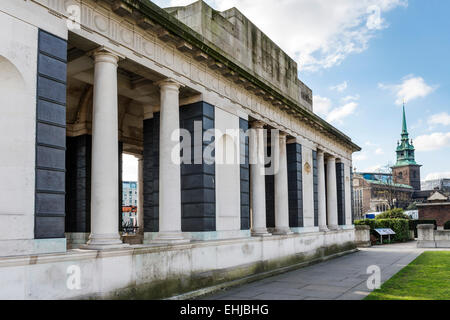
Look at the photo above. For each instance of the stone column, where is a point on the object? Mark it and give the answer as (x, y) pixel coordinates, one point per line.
(105, 147)
(169, 166)
(322, 204)
(348, 193)
(257, 180)
(332, 206)
(140, 192)
(281, 187)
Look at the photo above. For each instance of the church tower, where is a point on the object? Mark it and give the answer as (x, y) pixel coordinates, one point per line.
(406, 170)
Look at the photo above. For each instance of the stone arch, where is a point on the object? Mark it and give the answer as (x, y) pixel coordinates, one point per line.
(226, 150)
(17, 129)
(10, 78)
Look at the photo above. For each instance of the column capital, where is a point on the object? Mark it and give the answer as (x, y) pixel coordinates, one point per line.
(282, 134)
(320, 152)
(169, 83)
(257, 124)
(104, 54)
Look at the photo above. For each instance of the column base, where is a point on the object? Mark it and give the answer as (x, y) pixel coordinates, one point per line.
(170, 238)
(104, 242)
(323, 228)
(282, 231)
(333, 228)
(260, 233)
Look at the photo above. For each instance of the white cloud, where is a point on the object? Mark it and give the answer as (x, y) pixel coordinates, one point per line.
(350, 98)
(375, 168)
(431, 142)
(338, 114)
(440, 118)
(359, 156)
(340, 87)
(316, 33)
(321, 105)
(379, 151)
(409, 89)
(438, 175)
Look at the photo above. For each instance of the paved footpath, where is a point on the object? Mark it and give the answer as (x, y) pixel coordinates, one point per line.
(343, 278)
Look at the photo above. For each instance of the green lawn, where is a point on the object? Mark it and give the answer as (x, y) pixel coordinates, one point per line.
(426, 278)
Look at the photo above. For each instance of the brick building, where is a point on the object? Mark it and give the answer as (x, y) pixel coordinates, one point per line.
(436, 208)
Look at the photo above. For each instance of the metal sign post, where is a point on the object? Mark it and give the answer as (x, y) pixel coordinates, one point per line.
(385, 232)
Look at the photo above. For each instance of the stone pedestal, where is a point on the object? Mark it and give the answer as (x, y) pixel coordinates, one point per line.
(425, 236)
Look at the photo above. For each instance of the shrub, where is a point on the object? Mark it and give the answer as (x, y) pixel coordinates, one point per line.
(396, 213)
(447, 225)
(399, 226)
(414, 223)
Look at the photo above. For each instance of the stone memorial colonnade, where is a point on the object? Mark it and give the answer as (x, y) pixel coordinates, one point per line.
(121, 76)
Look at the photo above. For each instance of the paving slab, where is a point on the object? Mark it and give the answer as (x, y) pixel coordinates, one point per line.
(342, 278)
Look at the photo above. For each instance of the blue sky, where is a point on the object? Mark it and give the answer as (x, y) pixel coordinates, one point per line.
(416, 44)
(361, 58)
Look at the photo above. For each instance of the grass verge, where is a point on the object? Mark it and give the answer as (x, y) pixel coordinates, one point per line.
(426, 278)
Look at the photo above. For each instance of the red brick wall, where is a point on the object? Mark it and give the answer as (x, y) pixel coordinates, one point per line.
(439, 213)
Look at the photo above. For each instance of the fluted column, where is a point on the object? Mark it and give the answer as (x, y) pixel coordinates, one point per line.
(322, 204)
(169, 166)
(105, 147)
(332, 206)
(281, 187)
(257, 180)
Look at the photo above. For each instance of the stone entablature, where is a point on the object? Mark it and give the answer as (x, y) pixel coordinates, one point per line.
(157, 50)
(241, 41)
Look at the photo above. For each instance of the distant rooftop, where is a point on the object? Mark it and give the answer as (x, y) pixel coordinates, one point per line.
(397, 185)
(381, 178)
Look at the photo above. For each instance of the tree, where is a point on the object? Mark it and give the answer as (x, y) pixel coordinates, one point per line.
(388, 188)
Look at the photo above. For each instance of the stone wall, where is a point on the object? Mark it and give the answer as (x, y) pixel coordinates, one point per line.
(430, 238)
(154, 272)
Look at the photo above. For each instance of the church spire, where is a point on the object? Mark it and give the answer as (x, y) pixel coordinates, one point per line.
(404, 126)
(405, 149)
